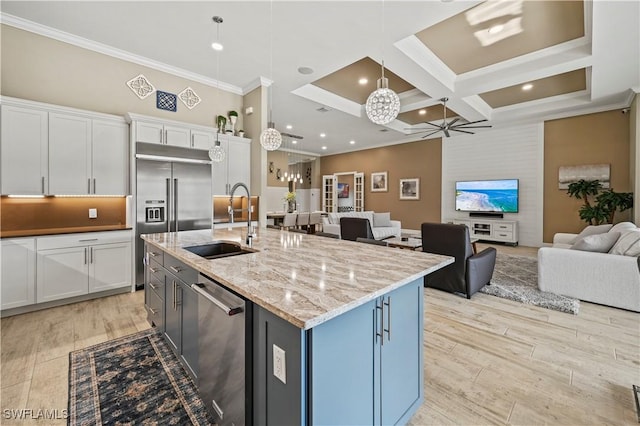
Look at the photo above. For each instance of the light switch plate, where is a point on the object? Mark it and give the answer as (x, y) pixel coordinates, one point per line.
(93, 213)
(279, 364)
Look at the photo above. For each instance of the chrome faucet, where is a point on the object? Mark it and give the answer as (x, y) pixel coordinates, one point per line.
(230, 209)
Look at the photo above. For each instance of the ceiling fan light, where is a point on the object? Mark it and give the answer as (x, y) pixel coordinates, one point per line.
(270, 138)
(383, 104)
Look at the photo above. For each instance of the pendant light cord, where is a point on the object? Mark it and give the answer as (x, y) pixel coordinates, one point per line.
(382, 40)
(270, 62)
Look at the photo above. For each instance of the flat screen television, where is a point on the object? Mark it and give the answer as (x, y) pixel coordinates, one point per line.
(343, 190)
(491, 196)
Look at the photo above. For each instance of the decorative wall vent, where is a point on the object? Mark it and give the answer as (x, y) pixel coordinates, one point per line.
(189, 97)
(166, 101)
(323, 109)
(141, 86)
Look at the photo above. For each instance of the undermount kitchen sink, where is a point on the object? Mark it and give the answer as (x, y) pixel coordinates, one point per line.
(218, 250)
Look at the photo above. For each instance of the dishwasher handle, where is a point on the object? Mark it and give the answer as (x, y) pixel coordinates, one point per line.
(229, 310)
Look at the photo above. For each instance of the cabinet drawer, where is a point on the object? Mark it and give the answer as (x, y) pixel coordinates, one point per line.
(154, 309)
(502, 235)
(180, 270)
(503, 227)
(84, 239)
(155, 254)
(156, 280)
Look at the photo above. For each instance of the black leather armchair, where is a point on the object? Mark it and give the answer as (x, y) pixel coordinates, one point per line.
(470, 272)
(353, 227)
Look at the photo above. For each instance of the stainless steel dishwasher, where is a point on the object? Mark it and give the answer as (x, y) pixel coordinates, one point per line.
(222, 349)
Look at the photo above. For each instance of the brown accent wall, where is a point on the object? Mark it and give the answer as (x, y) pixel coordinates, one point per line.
(19, 214)
(421, 159)
(601, 138)
(279, 159)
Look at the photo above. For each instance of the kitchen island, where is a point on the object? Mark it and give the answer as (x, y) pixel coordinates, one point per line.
(344, 320)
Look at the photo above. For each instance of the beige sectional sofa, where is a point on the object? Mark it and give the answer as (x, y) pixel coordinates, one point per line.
(381, 223)
(579, 266)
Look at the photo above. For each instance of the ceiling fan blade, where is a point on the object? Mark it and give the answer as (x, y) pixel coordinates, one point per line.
(446, 132)
(473, 122)
(453, 121)
(431, 133)
(462, 131)
(464, 126)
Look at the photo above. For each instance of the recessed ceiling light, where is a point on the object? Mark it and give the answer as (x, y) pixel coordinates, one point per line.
(422, 112)
(352, 142)
(527, 86)
(496, 29)
(294, 141)
(324, 148)
(289, 127)
(363, 81)
(217, 46)
(322, 135)
(305, 70)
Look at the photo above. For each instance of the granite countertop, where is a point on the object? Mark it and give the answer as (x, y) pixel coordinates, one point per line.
(304, 279)
(58, 231)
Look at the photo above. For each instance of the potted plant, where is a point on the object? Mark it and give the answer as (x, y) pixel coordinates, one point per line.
(241, 133)
(599, 206)
(221, 121)
(233, 117)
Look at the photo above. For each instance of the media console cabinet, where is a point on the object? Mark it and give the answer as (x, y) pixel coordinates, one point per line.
(505, 231)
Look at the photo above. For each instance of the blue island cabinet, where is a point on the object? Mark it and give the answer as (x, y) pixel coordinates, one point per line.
(363, 367)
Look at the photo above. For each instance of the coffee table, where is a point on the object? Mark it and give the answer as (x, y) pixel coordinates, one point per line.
(410, 243)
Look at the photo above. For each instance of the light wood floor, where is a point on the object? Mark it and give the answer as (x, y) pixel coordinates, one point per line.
(487, 360)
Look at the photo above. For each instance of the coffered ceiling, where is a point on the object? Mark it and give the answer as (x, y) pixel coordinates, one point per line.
(579, 57)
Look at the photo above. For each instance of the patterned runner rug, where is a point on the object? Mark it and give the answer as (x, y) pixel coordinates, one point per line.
(135, 379)
(516, 278)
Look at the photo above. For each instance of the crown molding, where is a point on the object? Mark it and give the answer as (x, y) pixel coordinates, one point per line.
(33, 27)
(260, 81)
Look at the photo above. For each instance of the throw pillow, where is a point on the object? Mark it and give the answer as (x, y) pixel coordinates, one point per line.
(593, 230)
(622, 227)
(628, 244)
(598, 243)
(382, 219)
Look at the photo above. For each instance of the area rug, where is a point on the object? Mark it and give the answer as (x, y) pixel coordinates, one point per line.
(132, 380)
(516, 278)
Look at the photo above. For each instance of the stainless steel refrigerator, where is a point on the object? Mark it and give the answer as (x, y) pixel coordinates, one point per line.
(171, 196)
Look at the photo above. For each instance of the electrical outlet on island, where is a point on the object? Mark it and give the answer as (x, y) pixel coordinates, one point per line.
(279, 364)
(93, 213)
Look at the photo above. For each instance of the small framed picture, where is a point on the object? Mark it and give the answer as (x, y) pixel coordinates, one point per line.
(379, 182)
(410, 189)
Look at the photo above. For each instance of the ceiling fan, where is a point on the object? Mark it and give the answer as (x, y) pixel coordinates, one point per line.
(450, 126)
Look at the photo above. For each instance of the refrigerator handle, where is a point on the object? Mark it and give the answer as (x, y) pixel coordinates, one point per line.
(168, 205)
(175, 204)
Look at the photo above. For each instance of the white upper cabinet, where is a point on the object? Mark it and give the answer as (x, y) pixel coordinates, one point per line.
(162, 134)
(236, 166)
(53, 150)
(201, 139)
(110, 158)
(69, 154)
(24, 151)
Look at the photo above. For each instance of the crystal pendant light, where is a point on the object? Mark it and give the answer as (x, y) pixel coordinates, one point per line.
(383, 104)
(270, 138)
(216, 153)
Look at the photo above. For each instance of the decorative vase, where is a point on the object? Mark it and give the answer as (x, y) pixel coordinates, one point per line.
(221, 121)
(291, 206)
(233, 119)
(241, 133)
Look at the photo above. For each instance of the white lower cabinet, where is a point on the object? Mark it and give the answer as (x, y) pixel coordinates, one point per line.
(109, 266)
(62, 273)
(18, 275)
(79, 264)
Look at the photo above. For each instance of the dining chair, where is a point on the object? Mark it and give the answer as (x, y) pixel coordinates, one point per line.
(289, 220)
(315, 219)
(303, 221)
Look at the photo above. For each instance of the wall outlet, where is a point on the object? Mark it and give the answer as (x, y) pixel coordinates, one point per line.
(279, 364)
(93, 213)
